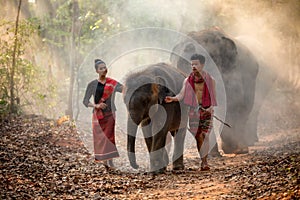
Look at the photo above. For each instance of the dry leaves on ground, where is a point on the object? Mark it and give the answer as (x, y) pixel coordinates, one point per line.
(40, 160)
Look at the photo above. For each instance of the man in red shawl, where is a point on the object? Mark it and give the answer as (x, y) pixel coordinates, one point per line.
(198, 92)
(103, 124)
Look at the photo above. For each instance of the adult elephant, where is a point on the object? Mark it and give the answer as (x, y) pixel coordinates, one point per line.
(238, 68)
(144, 95)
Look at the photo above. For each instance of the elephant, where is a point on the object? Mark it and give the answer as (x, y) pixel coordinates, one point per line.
(144, 95)
(239, 69)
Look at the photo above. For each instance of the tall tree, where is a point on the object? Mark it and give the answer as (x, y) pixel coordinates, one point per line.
(13, 67)
(73, 54)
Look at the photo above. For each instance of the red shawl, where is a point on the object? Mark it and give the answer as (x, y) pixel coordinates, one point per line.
(109, 88)
(208, 99)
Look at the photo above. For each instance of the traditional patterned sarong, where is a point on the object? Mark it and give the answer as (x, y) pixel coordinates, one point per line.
(200, 122)
(104, 127)
(104, 137)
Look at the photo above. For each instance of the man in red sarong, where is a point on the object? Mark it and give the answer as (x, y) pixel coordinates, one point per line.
(198, 92)
(103, 124)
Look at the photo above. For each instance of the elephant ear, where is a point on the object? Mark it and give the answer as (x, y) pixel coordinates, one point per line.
(159, 89)
(229, 54)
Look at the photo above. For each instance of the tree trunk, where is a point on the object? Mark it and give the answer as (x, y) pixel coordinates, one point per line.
(73, 52)
(13, 67)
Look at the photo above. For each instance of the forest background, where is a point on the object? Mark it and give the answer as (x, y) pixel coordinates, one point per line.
(44, 42)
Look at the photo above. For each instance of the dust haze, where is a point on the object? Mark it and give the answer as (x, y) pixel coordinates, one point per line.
(270, 29)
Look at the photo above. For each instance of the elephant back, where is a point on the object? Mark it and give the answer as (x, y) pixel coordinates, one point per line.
(161, 73)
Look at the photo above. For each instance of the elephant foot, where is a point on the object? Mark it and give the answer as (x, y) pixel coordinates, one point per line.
(215, 152)
(178, 164)
(159, 171)
(229, 148)
(244, 150)
(134, 165)
(178, 167)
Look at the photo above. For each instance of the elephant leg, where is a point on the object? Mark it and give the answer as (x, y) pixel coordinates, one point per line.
(251, 128)
(131, 129)
(147, 128)
(158, 155)
(242, 136)
(168, 145)
(229, 144)
(242, 146)
(148, 142)
(234, 140)
(178, 149)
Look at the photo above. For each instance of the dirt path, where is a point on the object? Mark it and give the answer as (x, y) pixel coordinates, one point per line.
(232, 176)
(40, 160)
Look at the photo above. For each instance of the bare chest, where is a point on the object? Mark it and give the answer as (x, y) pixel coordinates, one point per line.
(199, 91)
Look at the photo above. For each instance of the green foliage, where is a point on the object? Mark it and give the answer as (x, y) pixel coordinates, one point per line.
(70, 31)
(93, 23)
(98, 20)
(25, 71)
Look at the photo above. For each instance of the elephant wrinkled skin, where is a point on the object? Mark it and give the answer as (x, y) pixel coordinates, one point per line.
(144, 95)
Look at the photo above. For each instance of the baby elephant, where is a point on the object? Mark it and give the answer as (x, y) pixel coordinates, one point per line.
(144, 95)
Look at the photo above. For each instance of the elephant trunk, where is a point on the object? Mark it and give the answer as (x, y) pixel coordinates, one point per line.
(131, 136)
